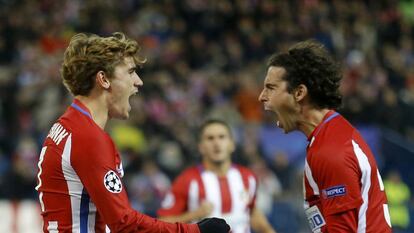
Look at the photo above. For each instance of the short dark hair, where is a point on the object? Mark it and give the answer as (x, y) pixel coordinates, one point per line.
(211, 122)
(310, 64)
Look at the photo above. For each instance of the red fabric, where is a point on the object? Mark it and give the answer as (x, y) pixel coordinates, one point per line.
(233, 195)
(225, 195)
(340, 160)
(72, 186)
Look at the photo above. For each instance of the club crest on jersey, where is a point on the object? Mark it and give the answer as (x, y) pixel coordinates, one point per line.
(112, 182)
(334, 191)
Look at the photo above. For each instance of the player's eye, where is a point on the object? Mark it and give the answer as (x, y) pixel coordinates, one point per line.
(133, 70)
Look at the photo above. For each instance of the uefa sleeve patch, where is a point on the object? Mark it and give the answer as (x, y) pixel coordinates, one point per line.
(112, 182)
(335, 191)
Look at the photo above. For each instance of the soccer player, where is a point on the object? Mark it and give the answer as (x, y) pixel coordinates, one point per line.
(342, 185)
(217, 187)
(80, 170)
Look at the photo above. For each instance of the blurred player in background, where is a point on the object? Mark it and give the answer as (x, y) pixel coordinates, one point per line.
(343, 187)
(217, 187)
(80, 170)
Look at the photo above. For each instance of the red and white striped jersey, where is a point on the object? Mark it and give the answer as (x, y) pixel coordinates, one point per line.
(233, 195)
(343, 187)
(79, 181)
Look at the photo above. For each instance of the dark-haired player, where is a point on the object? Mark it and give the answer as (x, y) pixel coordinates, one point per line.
(342, 185)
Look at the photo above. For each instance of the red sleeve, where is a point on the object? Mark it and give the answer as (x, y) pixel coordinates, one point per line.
(344, 222)
(337, 174)
(92, 162)
(175, 202)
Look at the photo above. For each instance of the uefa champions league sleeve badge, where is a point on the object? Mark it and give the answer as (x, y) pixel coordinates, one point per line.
(112, 182)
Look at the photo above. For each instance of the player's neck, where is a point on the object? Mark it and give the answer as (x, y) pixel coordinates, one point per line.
(220, 169)
(311, 118)
(95, 106)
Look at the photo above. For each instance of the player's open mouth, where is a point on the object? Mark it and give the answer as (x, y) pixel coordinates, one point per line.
(133, 93)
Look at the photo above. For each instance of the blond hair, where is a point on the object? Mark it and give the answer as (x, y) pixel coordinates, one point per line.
(87, 54)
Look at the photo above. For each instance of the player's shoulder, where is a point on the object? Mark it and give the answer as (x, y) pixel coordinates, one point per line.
(334, 147)
(82, 127)
(244, 171)
(191, 170)
(189, 173)
(340, 127)
(334, 136)
(242, 168)
(186, 177)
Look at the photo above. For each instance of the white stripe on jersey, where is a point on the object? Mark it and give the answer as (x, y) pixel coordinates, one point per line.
(235, 182)
(193, 194)
(91, 217)
(305, 203)
(310, 179)
(387, 214)
(42, 204)
(252, 186)
(239, 218)
(75, 189)
(381, 184)
(366, 184)
(39, 165)
(52, 227)
(212, 190)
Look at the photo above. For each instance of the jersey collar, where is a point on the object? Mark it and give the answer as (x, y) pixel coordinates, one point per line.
(328, 116)
(76, 104)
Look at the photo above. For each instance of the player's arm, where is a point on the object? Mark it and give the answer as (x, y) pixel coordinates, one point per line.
(92, 164)
(344, 222)
(339, 184)
(203, 211)
(259, 222)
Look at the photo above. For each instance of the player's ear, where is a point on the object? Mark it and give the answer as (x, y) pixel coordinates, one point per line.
(102, 80)
(300, 93)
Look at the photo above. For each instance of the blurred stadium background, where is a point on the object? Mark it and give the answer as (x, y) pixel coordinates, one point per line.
(206, 58)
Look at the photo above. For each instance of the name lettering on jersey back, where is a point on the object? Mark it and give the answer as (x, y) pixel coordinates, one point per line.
(57, 133)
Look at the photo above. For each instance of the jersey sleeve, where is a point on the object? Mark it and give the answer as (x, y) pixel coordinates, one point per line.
(94, 163)
(175, 202)
(337, 174)
(344, 222)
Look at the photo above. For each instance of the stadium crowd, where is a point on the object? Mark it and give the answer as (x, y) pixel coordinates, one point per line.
(205, 58)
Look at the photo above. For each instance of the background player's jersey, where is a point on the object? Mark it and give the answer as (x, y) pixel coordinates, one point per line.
(233, 195)
(341, 176)
(79, 181)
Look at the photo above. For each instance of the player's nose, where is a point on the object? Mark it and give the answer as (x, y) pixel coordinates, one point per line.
(262, 96)
(138, 81)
